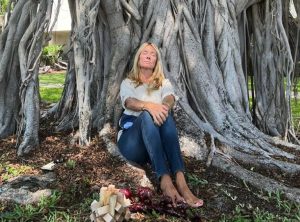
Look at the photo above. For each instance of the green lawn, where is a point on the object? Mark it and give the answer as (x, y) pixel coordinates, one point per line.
(50, 95)
(295, 106)
(51, 86)
(57, 78)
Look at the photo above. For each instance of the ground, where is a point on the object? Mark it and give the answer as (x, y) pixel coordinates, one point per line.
(84, 170)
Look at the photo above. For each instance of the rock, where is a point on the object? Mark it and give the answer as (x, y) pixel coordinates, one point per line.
(50, 166)
(23, 196)
(26, 189)
(145, 182)
(111, 146)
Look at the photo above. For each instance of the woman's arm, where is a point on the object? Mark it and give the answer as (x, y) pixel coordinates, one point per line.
(169, 101)
(159, 112)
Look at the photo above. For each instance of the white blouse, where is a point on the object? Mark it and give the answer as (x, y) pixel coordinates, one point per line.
(128, 89)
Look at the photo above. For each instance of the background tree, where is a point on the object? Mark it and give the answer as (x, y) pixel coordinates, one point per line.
(3, 4)
(20, 49)
(209, 47)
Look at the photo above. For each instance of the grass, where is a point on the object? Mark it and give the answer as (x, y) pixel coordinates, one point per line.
(50, 210)
(71, 164)
(57, 78)
(285, 211)
(51, 86)
(45, 210)
(194, 181)
(50, 95)
(295, 106)
(13, 170)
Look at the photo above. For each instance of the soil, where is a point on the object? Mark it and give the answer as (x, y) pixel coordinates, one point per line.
(94, 167)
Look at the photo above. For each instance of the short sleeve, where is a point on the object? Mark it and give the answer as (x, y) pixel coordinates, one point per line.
(126, 91)
(167, 89)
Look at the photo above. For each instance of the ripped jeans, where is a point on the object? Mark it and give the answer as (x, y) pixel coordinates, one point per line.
(145, 142)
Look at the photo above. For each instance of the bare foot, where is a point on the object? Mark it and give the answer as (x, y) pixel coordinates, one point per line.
(168, 189)
(184, 190)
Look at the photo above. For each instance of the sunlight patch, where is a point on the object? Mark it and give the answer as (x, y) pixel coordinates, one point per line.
(293, 10)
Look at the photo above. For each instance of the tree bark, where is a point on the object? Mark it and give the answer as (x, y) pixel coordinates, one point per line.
(21, 45)
(9, 83)
(271, 110)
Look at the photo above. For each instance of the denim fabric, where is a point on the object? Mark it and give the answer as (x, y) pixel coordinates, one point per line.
(145, 142)
(126, 121)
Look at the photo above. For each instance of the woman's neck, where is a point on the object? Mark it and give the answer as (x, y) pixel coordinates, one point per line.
(145, 75)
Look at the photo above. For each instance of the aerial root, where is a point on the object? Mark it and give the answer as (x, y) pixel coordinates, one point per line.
(255, 179)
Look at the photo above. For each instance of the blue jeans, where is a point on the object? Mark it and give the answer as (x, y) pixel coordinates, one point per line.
(145, 142)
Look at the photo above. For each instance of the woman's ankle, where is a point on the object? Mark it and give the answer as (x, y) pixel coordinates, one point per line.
(165, 181)
(180, 180)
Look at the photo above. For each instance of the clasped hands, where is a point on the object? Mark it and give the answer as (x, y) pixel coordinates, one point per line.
(159, 112)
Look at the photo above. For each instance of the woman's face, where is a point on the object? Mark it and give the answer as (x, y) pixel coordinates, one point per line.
(148, 58)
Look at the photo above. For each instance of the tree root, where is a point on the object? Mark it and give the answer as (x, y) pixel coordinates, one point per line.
(255, 179)
(266, 163)
(112, 148)
(212, 151)
(28, 145)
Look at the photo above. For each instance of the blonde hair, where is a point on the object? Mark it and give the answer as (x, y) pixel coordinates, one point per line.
(157, 76)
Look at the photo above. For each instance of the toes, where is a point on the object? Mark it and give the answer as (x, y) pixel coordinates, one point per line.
(199, 203)
(195, 204)
(179, 198)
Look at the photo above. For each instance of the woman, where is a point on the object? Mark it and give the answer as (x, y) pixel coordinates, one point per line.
(148, 130)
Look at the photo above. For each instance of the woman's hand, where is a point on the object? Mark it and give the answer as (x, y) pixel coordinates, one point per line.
(159, 112)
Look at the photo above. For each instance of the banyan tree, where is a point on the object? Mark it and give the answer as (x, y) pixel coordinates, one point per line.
(211, 49)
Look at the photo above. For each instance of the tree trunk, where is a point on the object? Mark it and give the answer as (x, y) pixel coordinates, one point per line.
(271, 109)
(21, 45)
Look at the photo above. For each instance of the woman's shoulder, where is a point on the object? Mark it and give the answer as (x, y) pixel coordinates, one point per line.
(127, 81)
(166, 82)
